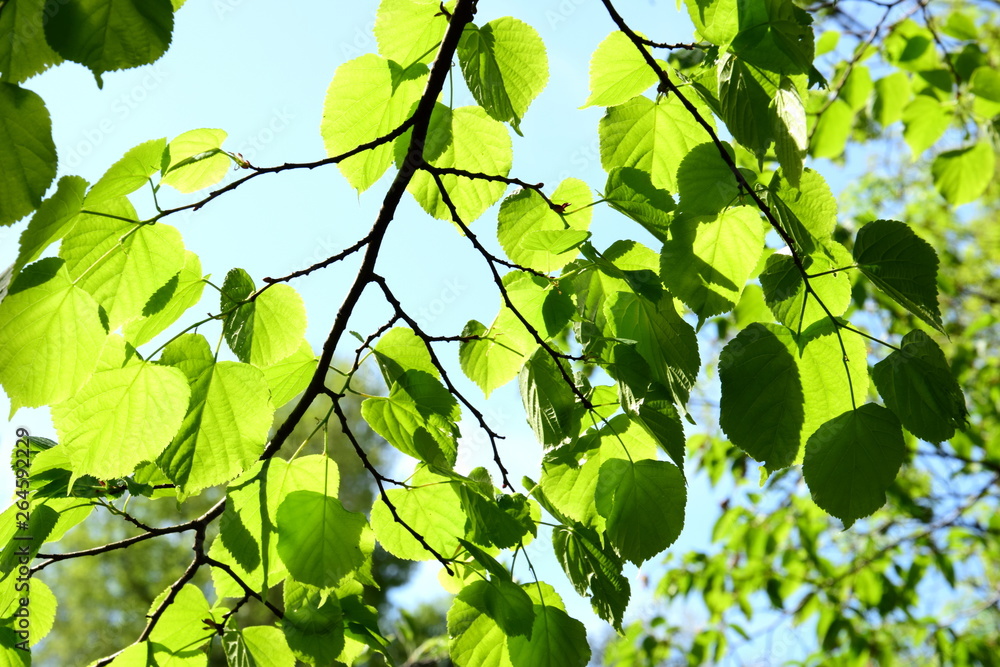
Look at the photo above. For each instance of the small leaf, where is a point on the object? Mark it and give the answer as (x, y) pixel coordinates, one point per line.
(535, 236)
(318, 540)
(109, 36)
(409, 31)
(432, 507)
(708, 259)
(549, 402)
(851, 461)
(962, 175)
(902, 265)
(313, 624)
(925, 119)
(367, 98)
(631, 192)
(266, 329)
(227, 421)
(121, 418)
(27, 153)
(466, 138)
(52, 221)
(917, 384)
(194, 160)
(555, 640)
(643, 503)
(130, 173)
(591, 565)
(505, 67)
(790, 136)
(618, 72)
(27, 53)
(50, 336)
(651, 136)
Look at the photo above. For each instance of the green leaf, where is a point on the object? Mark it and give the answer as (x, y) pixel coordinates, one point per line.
(785, 289)
(902, 265)
(891, 94)
(705, 183)
(289, 377)
(500, 600)
(313, 623)
(716, 20)
(775, 35)
(631, 192)
(266, 329)
(549, 402)
(477, 640)
(318, 540)
(227, 420)
(924, 121)
(832, 130)
(857, 87)
(431, 506)
(25, 53)
(400, 350)
(962, 175)
(496, 356)
(791, 138)
(555, 640)
(618, 72)
(811, 204)
(120, 263)
(745, 94)
(121, 418)
(130, 173)
(761, 409)
(709, 259)
(651, 136)
(53, 220)
(106, 36)
(777, 389)
(985, 85)
(409, 31)
(658, 416)
(464, 138)
(50, 336)
(851, 461)
(268, 646)
(643, 503)
(248, 542)
(188, 284)
(505, 67)
(27, 153)
(418, 418)
(181, 627)
(917, 384)
(570, 473)
(194, 160)
(910, 46)
(524, 216)
(503, 520)
(664, 340)
(368, 98)
(592, 566)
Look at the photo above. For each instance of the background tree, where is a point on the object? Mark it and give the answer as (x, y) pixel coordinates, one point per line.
(600, 330)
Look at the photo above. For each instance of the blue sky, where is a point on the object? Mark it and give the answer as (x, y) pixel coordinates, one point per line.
(261, 74)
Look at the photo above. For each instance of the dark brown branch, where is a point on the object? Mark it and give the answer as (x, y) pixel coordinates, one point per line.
(344, 254)
(493, 436)
(420, 122)
(194, 524)
(556, 356)
(250, 593)
(257, 171)
(379, 481)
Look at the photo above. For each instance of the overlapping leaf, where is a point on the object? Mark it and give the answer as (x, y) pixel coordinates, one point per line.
(851, 461)
(902, 265)
(27, 153)
(531, 232)
(505, 66)
(369, 97)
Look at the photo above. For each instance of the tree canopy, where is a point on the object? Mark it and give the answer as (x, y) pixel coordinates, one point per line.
(843, 343)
